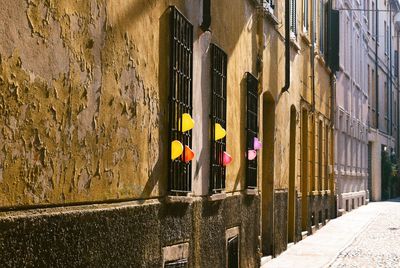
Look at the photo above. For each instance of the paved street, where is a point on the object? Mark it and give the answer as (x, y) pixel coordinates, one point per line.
(366, 237)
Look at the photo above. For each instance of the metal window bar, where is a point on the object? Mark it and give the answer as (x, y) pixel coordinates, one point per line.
(218, 115)
(252, 128)
(177, 264)
(233, 252)
(180, 71)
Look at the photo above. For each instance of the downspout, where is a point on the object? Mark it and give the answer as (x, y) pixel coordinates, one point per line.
(287, 47)
(205, 25)
(260, 72)
(376, 68)
(390, 72)
(312, 56)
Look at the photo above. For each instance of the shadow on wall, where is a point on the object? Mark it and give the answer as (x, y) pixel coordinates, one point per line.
(159, 174)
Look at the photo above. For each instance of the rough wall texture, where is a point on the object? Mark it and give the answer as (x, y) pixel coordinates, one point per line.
(129, 235)
(73, 101)
(319, 209)
(280, 221)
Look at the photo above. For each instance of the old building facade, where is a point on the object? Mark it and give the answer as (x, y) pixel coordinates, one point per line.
(382, 76)
(164, 133)
(351, 127)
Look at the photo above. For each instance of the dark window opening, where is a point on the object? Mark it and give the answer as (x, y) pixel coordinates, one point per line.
(252, 129)
(180, 98)
(313, 219)
(320, 216)
(218, 116)
(233, 252)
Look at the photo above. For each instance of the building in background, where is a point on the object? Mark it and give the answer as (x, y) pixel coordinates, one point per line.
(382, 76)
(351, 126)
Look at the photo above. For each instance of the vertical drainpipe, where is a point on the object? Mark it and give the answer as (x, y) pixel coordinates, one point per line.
(205, 25)
(287, 47)
(312, 55)
(260, 72)
(376, 66)
(332, 185)
(390, 70)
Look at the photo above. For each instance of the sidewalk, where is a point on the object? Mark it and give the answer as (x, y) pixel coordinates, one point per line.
(321, 248)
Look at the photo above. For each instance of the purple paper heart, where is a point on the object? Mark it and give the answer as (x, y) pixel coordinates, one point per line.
(257, 144)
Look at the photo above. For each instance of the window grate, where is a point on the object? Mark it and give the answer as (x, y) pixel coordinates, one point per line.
(218, 115)
(180, 71)
(177, 264)
(252, 128)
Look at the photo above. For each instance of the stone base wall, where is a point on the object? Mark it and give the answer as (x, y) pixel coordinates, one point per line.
(130, 234)
(280, 233)
(319, 210)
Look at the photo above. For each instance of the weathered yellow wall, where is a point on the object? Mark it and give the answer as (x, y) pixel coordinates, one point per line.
(300, 89)
(82, 104)
(235, 31)
(83, 99)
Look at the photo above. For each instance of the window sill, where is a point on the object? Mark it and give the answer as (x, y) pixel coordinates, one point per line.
(306, 39)
(294, 44)
(315, 193)
(172, 199)
(251, 191)
(269, 15)
(217, 197)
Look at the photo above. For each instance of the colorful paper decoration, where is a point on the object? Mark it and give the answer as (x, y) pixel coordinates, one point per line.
(187, 122)
(189, 154)
(226, 159)
(251, 154)
(257, 144)
(176, 149)
(219, 132)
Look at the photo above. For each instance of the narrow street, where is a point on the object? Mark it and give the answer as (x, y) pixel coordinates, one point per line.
(366, 237)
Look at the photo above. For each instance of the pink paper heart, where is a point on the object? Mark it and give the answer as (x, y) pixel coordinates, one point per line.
(251, 154)
(226, 159)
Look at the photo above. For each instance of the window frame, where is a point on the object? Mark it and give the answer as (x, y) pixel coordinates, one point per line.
(218, 68)
(180, 97)
(251, 128)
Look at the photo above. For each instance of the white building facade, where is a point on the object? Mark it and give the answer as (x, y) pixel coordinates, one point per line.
(351, 109)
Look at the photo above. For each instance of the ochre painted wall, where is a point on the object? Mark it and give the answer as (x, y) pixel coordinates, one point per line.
(83, 107)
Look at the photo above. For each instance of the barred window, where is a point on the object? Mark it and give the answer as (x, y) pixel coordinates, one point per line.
(293, 18)
(180, 90)
(218, 117)
(252, 128)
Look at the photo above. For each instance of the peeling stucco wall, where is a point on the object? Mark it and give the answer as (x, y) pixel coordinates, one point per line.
(81, 114)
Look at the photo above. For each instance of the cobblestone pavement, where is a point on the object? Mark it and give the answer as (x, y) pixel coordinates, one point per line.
(378, 245)
(368, 236)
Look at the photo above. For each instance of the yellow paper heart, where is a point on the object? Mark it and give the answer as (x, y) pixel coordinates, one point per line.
(187, 122)
(176, 149)
(219, 132)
